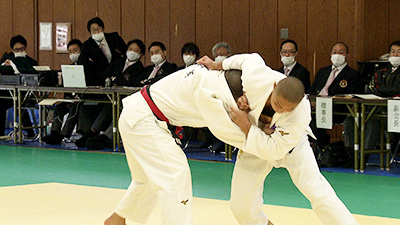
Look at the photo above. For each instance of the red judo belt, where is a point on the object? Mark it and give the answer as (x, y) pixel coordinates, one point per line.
(145, 91)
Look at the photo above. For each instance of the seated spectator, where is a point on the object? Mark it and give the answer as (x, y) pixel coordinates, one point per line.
(221, 51)
(20, 62)
(338, 78)
(190, 53)
(160, 68)
(123, 72)
(384, 83)
(290, 66)
(59, 132)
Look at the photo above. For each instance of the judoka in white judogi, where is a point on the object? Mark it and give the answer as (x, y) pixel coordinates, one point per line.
(198, 97)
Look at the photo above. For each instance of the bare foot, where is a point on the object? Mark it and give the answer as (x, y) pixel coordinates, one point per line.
(269, 222)
(115, 219)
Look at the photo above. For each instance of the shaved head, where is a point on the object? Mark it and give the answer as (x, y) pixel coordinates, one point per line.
(291, 89)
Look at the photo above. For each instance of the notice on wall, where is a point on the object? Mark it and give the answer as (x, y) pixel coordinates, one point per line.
(393, 108)
(63, 36)
(323, 112)
(45, 36)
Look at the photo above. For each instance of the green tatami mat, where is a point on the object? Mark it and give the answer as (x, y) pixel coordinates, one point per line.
(363, 194)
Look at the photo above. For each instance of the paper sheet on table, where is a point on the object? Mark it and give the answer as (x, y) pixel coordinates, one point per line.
(369, 96)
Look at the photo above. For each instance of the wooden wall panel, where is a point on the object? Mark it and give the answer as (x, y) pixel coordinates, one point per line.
(235, 24)
(263, 36)
(157, 24)
(63, 12)
(394, 24)
(293, 15)
(346, 28)
(322, 33)
(45, 14)
(208, 24)
(182, 27)
(376, 28)
(84, 11)
(132, 22)
(6, 26)
(110, 13)
(23, 23)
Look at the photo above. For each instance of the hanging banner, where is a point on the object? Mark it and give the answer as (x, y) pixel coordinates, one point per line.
(323, 112)
(393, 108)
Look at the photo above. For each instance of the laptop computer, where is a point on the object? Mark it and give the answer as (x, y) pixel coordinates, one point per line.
(73, 76)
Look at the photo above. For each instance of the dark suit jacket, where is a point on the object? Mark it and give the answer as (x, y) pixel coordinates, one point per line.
(166, 69)
(346, 82)
(301, 73)
(24, 64)
(91, 52)
(130, 77)
(385, 83)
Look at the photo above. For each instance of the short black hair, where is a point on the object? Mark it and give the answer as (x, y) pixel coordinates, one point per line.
(342, 43)
(140, 44)
(158, 43)
(190, 48)
(289, 41)
(75, 42)
(18, 39)
(95, 20)
(396, 43)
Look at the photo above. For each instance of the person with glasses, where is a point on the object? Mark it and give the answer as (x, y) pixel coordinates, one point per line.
(18, 56)
(290, 66)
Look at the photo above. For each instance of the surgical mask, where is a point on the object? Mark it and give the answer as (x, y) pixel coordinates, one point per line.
(287, 60)
(189, 59)
(156, 59)
(394, 60)
(74, 57)
(132, 56)
(220, 58)
(338, 60)
(98, 37)
(20, 54)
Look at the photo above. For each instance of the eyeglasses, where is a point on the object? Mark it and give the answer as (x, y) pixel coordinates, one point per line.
(96, 30)
(288, 51)
(19, 49)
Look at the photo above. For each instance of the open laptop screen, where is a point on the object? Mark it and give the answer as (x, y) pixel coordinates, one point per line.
(73, 76)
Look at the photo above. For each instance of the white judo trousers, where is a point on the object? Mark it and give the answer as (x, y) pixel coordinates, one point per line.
(248, 183)
(159, 170)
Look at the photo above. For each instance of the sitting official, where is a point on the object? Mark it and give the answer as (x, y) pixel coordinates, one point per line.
(290, 66)
(221, 51)
(123, 72)
(384, 83)
(338, 78)
(190, 53)
(160, 68)
(20, 62)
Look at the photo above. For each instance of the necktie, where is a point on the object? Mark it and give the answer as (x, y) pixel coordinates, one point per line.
(126, 65)
(332, 76)
(154, 72)
(287, 71)
(103, 49)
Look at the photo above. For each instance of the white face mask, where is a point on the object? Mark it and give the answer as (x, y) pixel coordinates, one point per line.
(132, 56)
(189, 59)
(220, 58)
(156, 59)
(338, 60)
(287, 60)
(74, 57)
(98, 37)
(394, 60)
(20, 54)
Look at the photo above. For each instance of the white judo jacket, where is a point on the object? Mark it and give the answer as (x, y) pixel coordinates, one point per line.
(198, 97)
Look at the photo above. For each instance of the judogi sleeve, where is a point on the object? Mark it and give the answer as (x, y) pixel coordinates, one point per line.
(290, 128)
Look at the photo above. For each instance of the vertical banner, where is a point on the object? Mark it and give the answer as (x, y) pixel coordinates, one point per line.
(323, 112)
(45, 36)
(393, 121)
